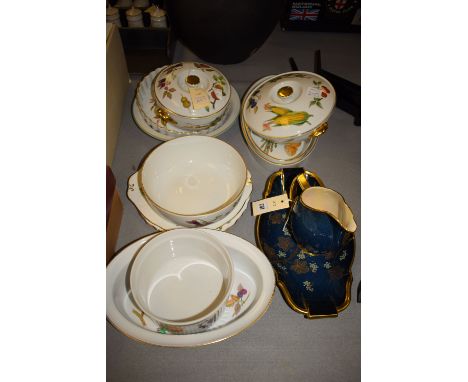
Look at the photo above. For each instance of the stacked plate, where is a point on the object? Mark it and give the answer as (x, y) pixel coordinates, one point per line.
(249, 289)
(192, 181)
(186, 98)
(282, 116)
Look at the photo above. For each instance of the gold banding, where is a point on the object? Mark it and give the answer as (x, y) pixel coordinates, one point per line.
(285, 91)
(192, 80)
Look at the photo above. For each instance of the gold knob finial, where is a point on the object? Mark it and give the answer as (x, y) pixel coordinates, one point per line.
(192, 80)
(285, 91)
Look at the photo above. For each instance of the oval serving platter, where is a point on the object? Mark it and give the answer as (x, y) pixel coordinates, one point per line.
(251, 297)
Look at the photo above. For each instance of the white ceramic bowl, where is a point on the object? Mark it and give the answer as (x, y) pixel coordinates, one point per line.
(193, 180)
(181, 279)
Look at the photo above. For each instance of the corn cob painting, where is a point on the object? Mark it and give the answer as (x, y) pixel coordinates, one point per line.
(285, 117)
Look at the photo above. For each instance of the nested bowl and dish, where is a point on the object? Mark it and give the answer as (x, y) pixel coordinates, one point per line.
(193, 180)
(174, 92)
(181, 279)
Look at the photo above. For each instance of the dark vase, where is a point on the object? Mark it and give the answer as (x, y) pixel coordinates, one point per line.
(221, 31)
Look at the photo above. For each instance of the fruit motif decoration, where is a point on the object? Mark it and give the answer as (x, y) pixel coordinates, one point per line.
(324, 92)
(290, 148)
(237, 300)
(217, 86)
(185, 102)
(285, 117)
(253, 100)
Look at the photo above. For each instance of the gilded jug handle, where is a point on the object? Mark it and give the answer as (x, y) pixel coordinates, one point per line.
(304, 181)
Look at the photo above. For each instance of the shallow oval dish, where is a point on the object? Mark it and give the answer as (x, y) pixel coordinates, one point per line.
(190, 95)
(193, 179)
(292, 105)
(250, 298)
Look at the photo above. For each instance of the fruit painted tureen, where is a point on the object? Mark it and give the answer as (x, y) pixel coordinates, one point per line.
(289, 106)
(190, 95)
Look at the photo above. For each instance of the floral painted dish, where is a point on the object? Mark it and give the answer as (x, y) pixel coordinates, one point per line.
(154, 128)
(162, 223)
(254, 285)
(313, 285)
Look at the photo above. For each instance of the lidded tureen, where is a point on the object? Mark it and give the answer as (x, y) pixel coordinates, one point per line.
(190, 95)
(289, 106)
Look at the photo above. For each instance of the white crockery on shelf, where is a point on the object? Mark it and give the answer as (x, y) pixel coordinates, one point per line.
(181, 279)
(162, 223)
(134, 18)
(253, 275)
(193, 180)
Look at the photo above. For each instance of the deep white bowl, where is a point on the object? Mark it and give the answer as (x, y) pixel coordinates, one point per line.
(193, 180)
(181, 279)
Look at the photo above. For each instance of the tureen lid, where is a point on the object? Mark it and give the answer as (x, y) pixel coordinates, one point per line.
(191, 89)
(289, 104)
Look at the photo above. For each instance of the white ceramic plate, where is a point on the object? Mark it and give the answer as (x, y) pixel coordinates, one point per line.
(254, 280)
(162, 223)
(168, 132)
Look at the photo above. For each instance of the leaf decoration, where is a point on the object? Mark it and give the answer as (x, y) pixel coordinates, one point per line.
(316, 101)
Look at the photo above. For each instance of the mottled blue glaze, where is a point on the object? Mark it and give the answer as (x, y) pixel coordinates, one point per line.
(315, 231)
(315, 284)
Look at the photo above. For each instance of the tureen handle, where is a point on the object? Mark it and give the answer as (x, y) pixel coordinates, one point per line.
(318, 132)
